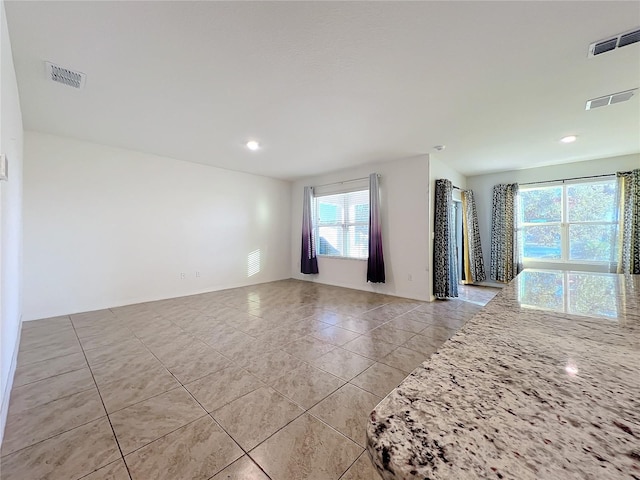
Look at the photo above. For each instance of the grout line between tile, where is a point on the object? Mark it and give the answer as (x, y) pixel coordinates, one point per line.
(104, 407)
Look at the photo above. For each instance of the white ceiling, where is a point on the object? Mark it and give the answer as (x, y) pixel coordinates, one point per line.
(329, 85)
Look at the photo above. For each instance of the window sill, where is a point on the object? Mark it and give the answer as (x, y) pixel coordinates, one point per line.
(343, 258)
(566, 262)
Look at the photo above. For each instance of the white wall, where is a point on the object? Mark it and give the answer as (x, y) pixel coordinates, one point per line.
(439, 170)
(10, 219)
(105, 226)
(404, 186)
(482, 185)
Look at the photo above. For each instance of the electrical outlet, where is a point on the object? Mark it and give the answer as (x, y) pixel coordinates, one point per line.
(197, 274)
(181, 275)
(410, 277)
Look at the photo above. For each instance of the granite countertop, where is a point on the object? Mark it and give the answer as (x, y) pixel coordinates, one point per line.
(543, 383)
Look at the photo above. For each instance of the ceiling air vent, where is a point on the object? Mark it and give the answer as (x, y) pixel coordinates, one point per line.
(616, 41)
(610, 99)
(64, 75)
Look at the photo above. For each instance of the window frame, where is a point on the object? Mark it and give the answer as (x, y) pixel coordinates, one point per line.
(344, 225)
(565, 224)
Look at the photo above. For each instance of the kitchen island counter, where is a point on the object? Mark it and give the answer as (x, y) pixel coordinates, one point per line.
(543, 383)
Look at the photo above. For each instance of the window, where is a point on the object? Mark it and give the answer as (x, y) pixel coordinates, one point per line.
(342, 224)
(570, 222)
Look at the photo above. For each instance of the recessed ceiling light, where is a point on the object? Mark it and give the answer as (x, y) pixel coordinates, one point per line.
(569, 139)
(253, 145)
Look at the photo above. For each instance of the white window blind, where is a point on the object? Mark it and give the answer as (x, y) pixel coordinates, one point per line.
(342, 224)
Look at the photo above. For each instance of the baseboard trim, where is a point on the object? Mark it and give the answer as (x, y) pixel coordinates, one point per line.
(6, 395)
(150, 298)
(371, 289)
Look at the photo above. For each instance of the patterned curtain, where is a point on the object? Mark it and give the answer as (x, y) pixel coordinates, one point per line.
(375, 264)
(445, 271)
(505, 256)
(629, 223)
(309, 261)
(473, 261)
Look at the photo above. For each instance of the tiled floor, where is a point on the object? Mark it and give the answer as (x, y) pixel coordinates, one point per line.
(268, 381)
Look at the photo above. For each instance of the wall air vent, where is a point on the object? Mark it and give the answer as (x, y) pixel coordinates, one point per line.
(64, 75)
(610, 99)
(613, 42)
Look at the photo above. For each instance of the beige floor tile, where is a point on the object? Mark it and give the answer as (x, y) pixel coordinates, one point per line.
(205, 341)
(53, 322)
(447, 322)
(196, 363)
(72, 454)
(404, 359)
(41, 336)
(48, 368)
(347, 410)
(229, 341)
(49, 389)
(256, 416)
(135, 388)
(105, 353)
(374, 348)
(359, 325)
(379, 379)
(128, 365)
(60, 339)
(37, 424)
(438, 334)
(168, 347)
(306, 449)
(342, 363)
(417, 315)
(407, 324)
(390, 311)
(286, 334)
(352, 310)
(144, 422)
(218, 389)
(335, 335)
(308, 348)
(254, 326)
(91, 330)
(307, 385)
(245, 351)
(327, 316)
(157, 332)
(390, 334)
(425, 345)
(88, 318)
(241, 469)
(106, 338)
(363, 469)
(114, 471)
(273, 365)
(40, 354)
(196, 451)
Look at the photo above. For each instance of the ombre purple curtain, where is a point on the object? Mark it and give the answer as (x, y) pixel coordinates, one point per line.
(375, 264)
(308, 261)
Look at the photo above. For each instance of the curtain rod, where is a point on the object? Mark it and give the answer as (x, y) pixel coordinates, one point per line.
(344, 181)
(567, 179)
